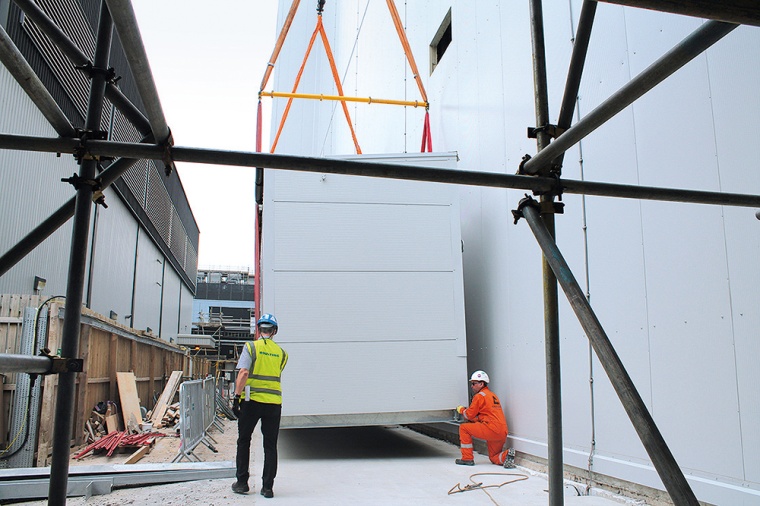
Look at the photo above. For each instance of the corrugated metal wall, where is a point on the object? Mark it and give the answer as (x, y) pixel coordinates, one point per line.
(675, 285)
(30, 190)
(113, 272)
(170, 303)
(149, 274)
(186, 317)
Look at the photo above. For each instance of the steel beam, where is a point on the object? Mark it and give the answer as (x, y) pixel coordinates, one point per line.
(663, 460)
(379, 170)
(65, 398)
(19, 68)
(78, 58)
(704, 37)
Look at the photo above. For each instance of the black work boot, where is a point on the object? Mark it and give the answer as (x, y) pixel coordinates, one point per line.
(240, 487)
(267, 492)
(463, 462)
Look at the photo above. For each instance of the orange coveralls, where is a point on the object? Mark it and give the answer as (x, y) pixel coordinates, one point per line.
(486, 422)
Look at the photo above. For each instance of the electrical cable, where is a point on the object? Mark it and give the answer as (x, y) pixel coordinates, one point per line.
(32, 381)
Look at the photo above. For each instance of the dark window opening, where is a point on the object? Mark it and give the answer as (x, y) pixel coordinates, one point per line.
(441, 42)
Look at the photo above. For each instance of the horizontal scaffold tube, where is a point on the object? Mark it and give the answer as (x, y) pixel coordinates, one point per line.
(371, 169)
(10, 362)
(342, 98)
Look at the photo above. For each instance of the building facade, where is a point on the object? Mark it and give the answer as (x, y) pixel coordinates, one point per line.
(224, 307)
(674, 284)
(143, 250)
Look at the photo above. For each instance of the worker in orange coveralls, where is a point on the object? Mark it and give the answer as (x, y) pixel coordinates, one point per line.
(484, 419)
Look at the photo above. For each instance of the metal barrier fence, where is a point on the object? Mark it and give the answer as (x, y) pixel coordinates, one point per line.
(209, 405)
(197, 407)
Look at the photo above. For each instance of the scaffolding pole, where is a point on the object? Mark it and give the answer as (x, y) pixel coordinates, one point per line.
(551, 305)
(664, 462)
(379, 170)
(65, 397)
(688, 49)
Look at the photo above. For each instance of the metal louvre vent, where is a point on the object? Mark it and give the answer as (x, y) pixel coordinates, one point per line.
(177, 237)
(191, 260)
(143, 179)
(158, 206)
(68, 15)
(136, 179)
(122, 130)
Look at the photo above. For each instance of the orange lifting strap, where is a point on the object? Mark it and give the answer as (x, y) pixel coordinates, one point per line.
(427, 143)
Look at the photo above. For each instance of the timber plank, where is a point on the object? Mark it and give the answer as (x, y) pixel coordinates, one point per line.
(138, 455)
(130, 402)
(166, 398)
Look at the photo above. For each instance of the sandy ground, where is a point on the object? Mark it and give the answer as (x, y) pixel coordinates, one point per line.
(335, 466)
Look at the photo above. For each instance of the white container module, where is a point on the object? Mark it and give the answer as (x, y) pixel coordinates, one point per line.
(365, 278)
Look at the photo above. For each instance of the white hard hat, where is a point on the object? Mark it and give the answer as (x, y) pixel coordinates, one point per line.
(480, 376)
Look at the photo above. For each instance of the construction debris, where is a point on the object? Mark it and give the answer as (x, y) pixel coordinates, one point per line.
(163, 404)
(110, 442)
(171, 417)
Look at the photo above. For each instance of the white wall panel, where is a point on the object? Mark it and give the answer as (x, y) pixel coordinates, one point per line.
(370, 305)
(312, 387)
(381, 262)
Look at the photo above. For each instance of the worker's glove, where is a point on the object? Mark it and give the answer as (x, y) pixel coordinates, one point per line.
(460, 409)
(236, 406)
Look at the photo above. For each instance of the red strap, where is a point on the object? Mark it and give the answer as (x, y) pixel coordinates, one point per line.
(258, 128)
(427, 139)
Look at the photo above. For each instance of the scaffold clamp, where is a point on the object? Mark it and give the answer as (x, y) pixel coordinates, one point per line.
(91, 70)
(60, 365)
(552, 130)
(544, 207)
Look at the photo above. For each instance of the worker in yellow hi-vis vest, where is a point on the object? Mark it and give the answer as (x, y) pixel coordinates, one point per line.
(258, 396)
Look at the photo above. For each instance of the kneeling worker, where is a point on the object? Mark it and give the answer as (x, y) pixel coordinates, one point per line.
(484, 419)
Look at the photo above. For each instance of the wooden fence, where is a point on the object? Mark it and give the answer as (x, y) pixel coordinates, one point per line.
(106, 347)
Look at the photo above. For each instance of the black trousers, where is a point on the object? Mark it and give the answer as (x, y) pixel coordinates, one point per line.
(250, 414)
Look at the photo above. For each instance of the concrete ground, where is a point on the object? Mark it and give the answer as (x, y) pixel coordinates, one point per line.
(360, 465)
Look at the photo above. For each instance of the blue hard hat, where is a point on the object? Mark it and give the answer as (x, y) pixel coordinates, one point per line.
(268, 320)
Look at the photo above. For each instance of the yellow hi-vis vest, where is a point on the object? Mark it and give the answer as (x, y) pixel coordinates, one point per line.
(268, 361)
